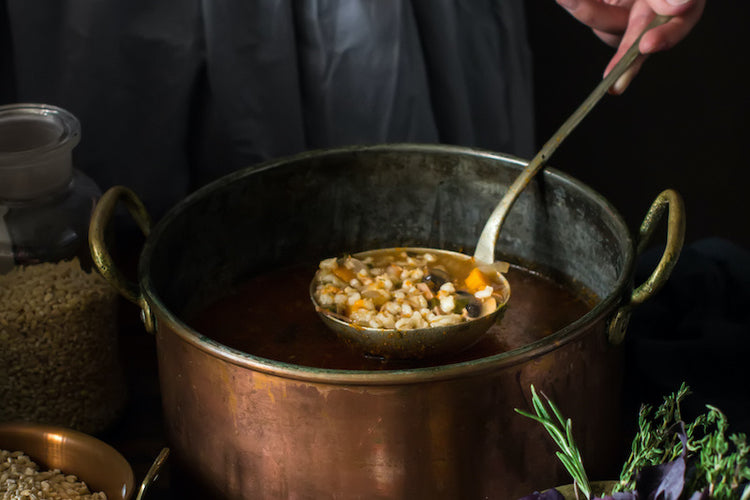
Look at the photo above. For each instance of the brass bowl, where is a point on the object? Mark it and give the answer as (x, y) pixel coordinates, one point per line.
(598, 488)
(96, 463)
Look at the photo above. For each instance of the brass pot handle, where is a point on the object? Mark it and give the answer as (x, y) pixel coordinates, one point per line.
(667, 199)
(153, 473)
(100, 219)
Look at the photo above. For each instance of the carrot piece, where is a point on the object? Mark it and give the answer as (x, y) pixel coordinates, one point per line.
(476, 280)
(344, 273)
(357, 305)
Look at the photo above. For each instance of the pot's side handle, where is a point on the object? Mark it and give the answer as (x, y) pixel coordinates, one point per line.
(667, 199)
(153, 473)
(103, 260)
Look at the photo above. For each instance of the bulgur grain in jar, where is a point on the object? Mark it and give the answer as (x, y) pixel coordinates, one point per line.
(59, 360)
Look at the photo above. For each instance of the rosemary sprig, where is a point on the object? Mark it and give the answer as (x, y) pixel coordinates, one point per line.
(561, 432)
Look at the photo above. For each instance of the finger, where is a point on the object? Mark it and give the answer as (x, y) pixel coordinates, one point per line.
(656, 39)
(668, 35)
(640, 17)
(607, 17)
(622, 83)
(608, 38)
(670, 7)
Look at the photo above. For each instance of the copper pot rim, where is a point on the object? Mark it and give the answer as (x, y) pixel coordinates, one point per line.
(601, 311)
(476, 367)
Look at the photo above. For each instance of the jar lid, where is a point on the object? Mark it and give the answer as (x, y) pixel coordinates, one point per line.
(36, 144)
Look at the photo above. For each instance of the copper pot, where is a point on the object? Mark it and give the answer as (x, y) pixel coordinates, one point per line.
(249, 427)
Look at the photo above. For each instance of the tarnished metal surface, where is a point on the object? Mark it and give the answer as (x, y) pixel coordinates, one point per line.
(153, 473)
(249, 427)
(667, 199)
(100, 220)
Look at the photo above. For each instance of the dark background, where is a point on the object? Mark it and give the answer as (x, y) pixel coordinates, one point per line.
(682, 123)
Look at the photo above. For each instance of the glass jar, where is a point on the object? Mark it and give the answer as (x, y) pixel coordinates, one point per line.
(59, 360)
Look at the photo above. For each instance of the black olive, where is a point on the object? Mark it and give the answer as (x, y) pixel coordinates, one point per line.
(436, 278)
(474, 309)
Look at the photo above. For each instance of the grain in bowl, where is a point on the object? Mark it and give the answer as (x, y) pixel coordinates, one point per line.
(23, 479)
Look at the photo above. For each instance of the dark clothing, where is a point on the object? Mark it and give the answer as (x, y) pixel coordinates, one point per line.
(174, 93)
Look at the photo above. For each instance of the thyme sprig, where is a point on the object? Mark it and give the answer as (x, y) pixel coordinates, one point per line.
(561, 432)
(656, 441)
(723, 465)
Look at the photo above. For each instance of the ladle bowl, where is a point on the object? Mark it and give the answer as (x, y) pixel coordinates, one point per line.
(414, 343)
(418, 343)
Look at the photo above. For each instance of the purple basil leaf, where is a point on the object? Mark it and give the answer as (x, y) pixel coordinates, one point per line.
(620, 495)
(551, 494)
(663, 481)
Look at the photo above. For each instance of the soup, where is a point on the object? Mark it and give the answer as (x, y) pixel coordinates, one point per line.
(396, 289)
(271, 316)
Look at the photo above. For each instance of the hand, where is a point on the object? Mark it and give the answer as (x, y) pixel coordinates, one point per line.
(619, 23)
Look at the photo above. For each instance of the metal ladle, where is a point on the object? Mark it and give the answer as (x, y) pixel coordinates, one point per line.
(423, 342)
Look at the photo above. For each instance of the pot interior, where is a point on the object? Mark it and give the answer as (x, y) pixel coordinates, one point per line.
(325, 203)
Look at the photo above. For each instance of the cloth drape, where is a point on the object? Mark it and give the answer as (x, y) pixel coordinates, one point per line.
(696, 329)
(174, 93)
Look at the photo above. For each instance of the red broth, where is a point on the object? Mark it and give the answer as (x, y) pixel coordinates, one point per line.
(271, 316)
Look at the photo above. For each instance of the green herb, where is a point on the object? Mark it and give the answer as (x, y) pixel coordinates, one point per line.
(722, 465)
(561, 431)
(719, 462)
(656, 442)
(460, 304)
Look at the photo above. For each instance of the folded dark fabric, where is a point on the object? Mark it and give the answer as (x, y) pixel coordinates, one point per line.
(695, 329)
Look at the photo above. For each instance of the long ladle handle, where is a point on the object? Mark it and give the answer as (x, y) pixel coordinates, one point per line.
(485, 251)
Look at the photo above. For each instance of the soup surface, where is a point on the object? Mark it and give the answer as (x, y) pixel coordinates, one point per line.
(271, 316)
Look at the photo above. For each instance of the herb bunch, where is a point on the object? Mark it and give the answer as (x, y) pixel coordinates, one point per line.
(657, 441)
(669, 458)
